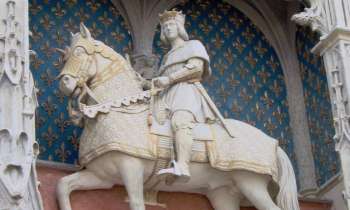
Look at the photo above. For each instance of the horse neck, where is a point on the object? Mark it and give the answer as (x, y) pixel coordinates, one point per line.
(123, 83)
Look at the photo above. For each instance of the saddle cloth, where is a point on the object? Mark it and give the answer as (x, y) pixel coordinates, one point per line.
(250, 149)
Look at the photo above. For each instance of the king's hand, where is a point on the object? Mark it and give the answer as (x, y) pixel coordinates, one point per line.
(161, 82)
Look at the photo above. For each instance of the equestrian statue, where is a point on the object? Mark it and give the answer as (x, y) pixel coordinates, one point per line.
(166, 136)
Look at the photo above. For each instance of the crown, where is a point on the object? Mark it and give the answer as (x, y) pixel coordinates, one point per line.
(172, 15)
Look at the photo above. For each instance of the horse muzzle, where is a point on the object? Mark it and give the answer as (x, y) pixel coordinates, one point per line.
(68, 84)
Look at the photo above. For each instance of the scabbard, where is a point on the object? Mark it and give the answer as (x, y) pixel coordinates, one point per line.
(213, 107)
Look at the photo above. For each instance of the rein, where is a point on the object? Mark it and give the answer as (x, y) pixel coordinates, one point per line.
(114, 68)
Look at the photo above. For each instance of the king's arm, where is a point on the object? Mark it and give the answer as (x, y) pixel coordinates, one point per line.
(192, 71)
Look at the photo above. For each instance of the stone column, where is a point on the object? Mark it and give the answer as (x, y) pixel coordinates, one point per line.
(142, 18)
(332, 19)
(18, 148)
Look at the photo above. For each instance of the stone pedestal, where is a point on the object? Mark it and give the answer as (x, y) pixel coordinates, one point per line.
(114, 199)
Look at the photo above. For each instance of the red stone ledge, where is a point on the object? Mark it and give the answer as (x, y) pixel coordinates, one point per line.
(114, 199)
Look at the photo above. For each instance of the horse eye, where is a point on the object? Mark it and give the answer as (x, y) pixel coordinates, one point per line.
(79, 51)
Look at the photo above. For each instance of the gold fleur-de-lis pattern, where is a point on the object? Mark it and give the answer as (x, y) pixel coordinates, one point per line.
(247, 82)
(50, 24)
(318, 106)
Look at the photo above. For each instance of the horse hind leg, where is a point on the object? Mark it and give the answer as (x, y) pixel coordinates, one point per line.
(82, 180)
(254, 187)
(223, 198)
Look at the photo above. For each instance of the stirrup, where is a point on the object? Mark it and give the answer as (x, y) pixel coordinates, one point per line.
(175, 170)
(176, 173)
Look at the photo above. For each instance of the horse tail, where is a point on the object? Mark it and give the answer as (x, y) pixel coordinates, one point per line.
(287, 197)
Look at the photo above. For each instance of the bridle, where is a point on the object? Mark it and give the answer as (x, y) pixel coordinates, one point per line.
(79, 70)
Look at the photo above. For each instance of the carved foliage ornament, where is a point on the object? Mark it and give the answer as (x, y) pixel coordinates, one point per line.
(313, 17)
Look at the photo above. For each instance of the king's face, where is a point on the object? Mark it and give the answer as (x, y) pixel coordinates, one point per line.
(170, 29)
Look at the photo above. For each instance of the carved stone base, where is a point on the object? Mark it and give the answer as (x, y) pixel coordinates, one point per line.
(114, 199)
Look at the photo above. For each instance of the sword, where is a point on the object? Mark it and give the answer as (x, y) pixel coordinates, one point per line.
(214, 108)
(154, 93)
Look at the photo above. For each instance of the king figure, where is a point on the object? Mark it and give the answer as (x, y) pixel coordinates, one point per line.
(182, 100)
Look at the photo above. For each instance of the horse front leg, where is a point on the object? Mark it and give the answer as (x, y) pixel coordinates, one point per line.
(132, 171)
(81, 180)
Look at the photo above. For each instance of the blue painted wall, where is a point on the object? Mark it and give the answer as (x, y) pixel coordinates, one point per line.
(318, 106)
(50, 22)
(247, 82)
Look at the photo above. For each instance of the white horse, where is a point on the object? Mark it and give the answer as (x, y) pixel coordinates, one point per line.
(91, 64)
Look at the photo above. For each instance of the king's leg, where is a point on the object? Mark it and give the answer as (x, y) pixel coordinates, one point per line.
(182, 124)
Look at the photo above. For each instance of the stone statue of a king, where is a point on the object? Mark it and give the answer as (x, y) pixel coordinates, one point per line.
(182, 99)
(119, 144)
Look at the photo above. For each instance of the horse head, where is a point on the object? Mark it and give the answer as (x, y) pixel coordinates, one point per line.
(88, 62)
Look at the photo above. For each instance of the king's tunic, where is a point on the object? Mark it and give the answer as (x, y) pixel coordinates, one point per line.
(183, 95)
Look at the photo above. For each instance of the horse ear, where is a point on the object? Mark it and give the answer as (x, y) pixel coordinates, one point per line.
(84, 31)
(71, 37)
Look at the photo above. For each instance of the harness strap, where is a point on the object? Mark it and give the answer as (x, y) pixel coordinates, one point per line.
(90, 93)
(107, 73)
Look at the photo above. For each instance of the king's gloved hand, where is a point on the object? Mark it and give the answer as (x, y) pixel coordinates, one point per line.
(161, 82)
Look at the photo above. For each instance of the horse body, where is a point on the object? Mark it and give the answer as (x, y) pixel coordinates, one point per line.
(201, 184)
(224, 189)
